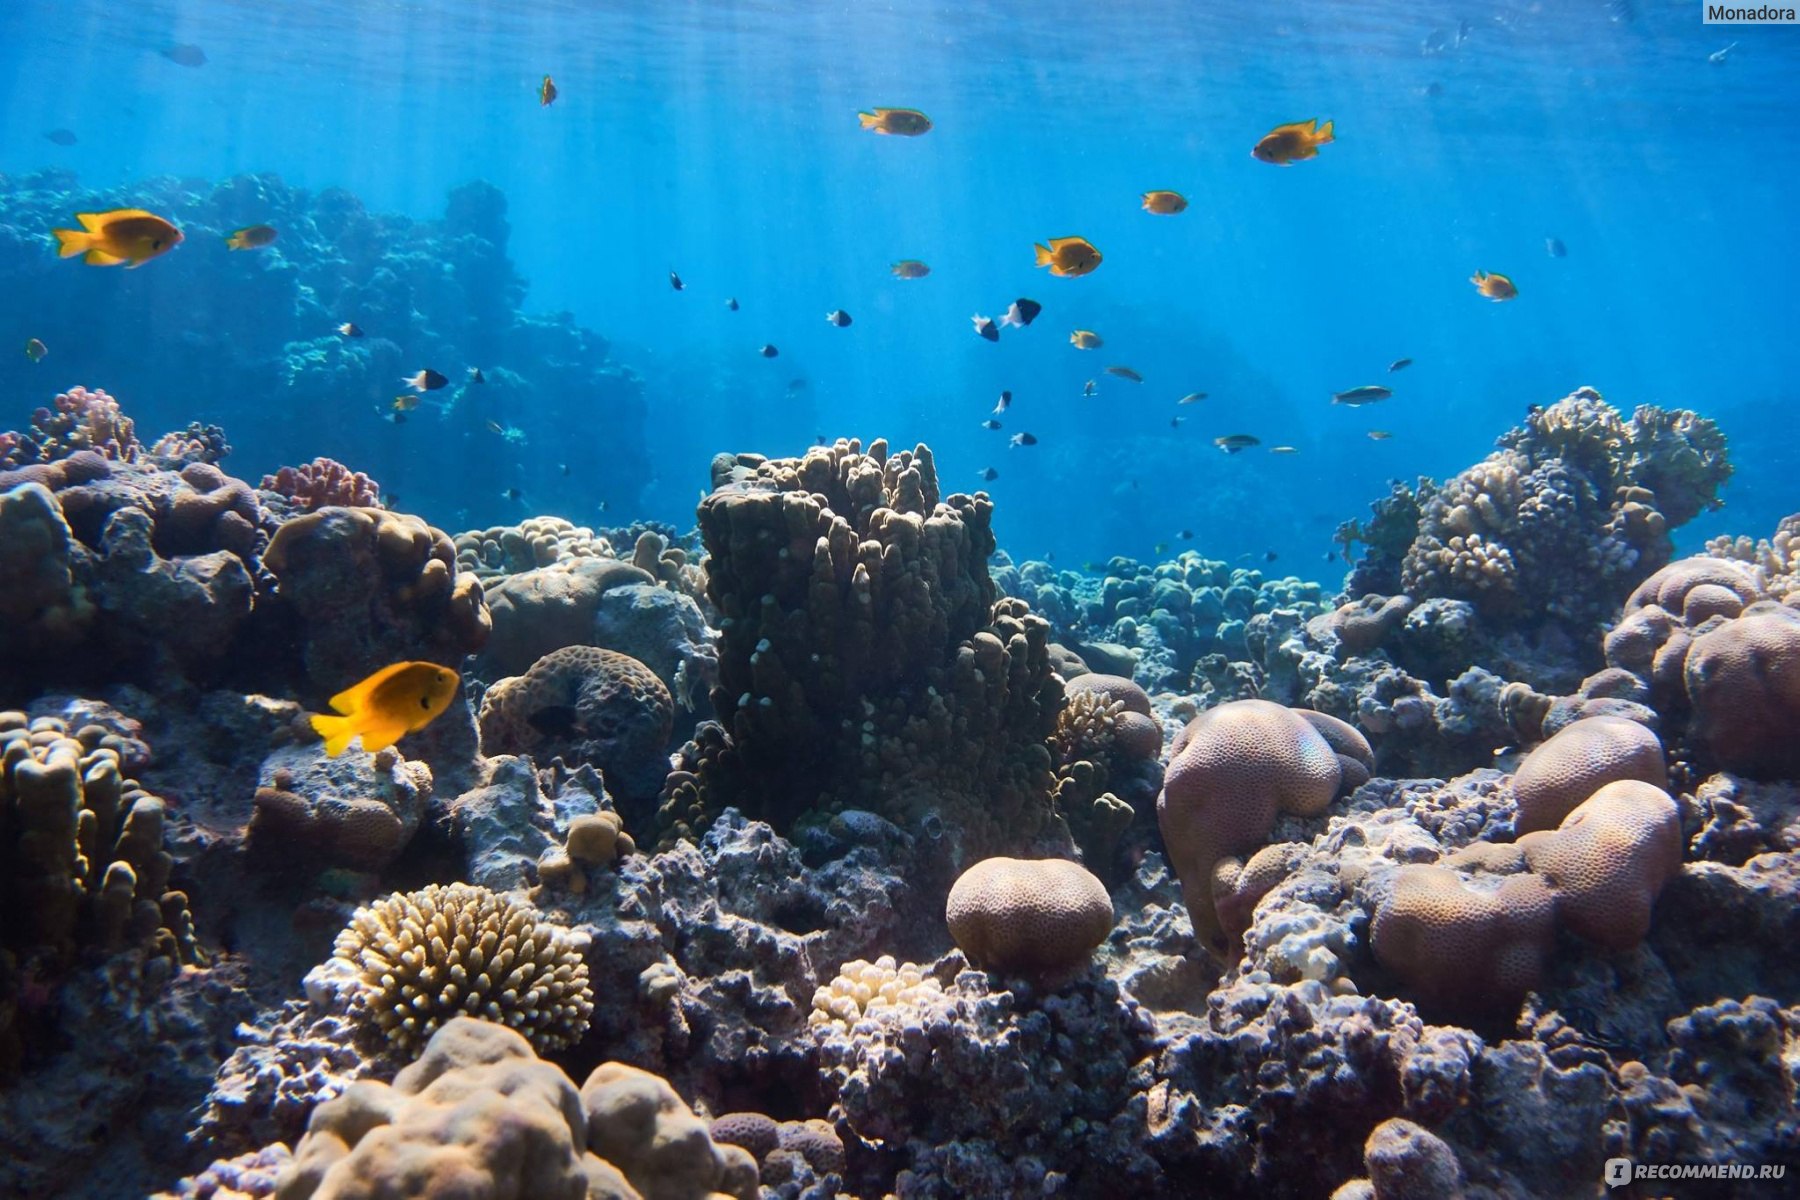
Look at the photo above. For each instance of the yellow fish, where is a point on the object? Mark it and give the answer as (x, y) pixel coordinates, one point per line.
(124, 235)
(1068, 256)
(1085, 339)
(388, 705)
(906, 122)
(910, 268)
(1285, 145)
(1164, 204)
(547, 92)
(406, 403)
(251, 236)
(1493, 286)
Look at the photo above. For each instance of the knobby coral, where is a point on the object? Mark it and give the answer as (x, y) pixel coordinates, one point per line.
(323, 482)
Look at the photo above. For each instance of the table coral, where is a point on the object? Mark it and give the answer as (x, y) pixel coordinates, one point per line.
(429, 956)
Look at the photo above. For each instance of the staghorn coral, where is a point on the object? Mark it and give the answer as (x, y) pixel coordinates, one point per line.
(321, 483)
(369, 586)
(585, 705)
(479, 1114)
(863, 659)
(1038, 918)
(426, 957)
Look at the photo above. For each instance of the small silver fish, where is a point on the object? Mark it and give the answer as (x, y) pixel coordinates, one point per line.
(1004, 404)
(1023, 439)
(838, 317)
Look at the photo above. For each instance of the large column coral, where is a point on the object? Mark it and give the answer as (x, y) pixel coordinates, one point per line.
(863, 657)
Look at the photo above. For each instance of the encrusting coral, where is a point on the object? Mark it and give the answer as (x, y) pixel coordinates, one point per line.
(479, 1115)
(425, 957)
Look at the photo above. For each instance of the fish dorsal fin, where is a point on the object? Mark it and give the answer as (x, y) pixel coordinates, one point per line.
(1298, 127)
(354, 697)
(1059, 243)
(96, 220)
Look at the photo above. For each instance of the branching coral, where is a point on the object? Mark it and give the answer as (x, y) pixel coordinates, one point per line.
(322, 482)
(78, 420)
(199, 442)
(1573, 507)
(425, 957)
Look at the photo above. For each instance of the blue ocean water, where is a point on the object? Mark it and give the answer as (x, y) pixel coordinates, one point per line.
(720, 140)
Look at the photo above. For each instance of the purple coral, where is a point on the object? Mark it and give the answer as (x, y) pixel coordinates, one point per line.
(324, 482)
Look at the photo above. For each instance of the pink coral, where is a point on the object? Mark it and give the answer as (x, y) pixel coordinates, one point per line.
(324, 482)
(84, 420)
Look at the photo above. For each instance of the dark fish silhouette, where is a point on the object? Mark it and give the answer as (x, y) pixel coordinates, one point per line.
(61, 137)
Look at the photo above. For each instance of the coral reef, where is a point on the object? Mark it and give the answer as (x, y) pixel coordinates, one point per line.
(322, 483)
(479, 1114)
(441, 292)
(864, 660)
(1039, 918)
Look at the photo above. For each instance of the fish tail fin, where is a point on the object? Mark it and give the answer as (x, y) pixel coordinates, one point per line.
(869, 120)
(1325, 135)
(73, 241)
(1044, 256)
(338, 732)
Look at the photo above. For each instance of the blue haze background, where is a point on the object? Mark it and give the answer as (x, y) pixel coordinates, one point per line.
(720, 139)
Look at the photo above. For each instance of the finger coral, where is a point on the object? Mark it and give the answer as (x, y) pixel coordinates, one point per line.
(426, 957)
(864, 659)
(323, 482)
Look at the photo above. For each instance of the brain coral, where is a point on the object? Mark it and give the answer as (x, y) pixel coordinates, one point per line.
(1608, 860)
(1720, 659)
(1468, 943)
(587, 705)
(478, 1116)
(1230, 772)
(1743, 679)
(1572, 765)
(1039, 918)
(426, 957)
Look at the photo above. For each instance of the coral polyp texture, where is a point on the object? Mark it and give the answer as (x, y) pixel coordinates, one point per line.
(479, 1115)
(1040, 918)
(425, 957)
(864, 658)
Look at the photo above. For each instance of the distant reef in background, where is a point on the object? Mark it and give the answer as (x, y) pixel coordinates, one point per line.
(249, 339)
